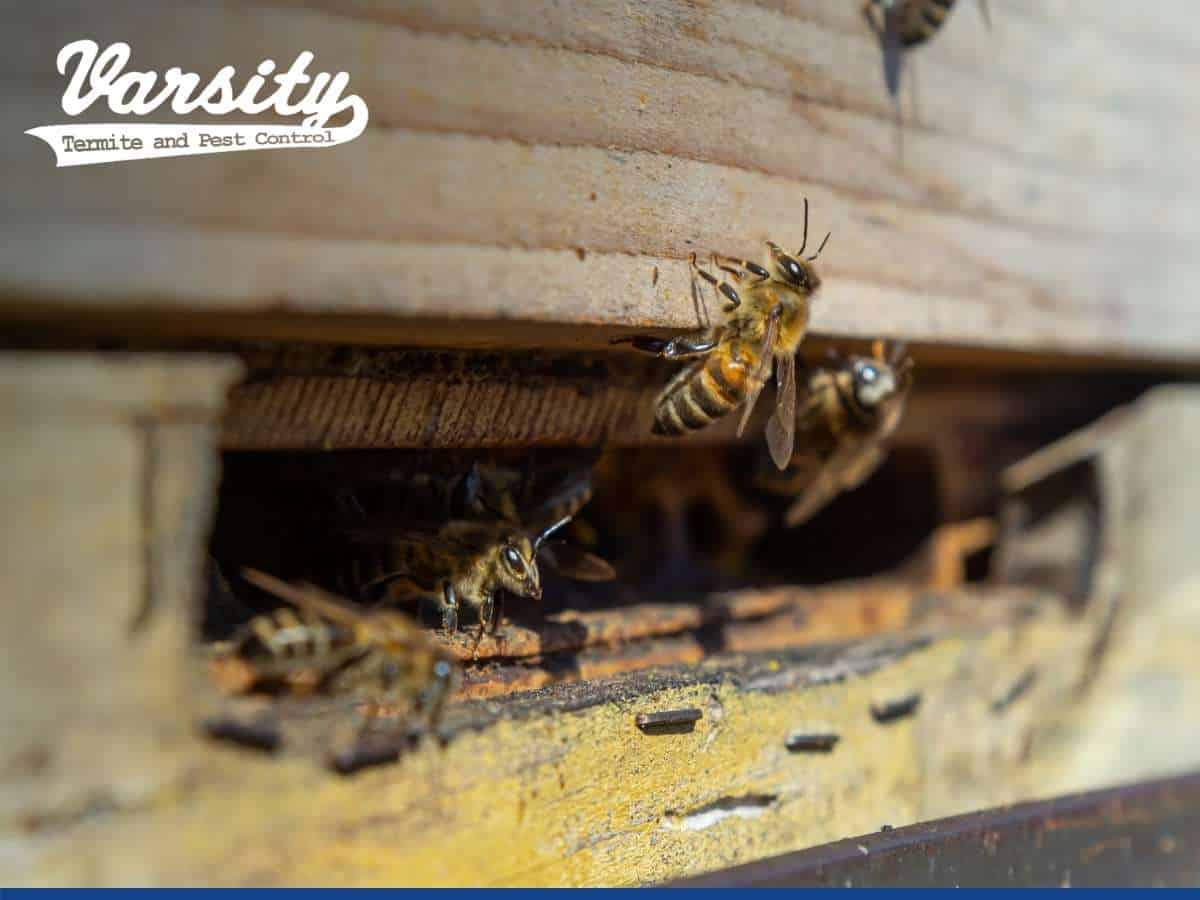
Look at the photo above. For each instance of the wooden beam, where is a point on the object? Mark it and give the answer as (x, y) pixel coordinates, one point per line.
(537, 169)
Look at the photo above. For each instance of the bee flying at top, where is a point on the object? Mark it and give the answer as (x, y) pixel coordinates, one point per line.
(902, 24)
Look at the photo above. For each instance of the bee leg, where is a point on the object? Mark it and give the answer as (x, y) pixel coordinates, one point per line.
(760, 274)
(723, 286)
(676, 348)
(449, 608)
(434, 697)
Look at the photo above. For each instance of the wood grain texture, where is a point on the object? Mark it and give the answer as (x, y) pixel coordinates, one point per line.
(1043, 207)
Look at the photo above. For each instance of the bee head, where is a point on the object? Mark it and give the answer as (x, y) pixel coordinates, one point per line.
(794, 271)
(517, 566)
(874, 382)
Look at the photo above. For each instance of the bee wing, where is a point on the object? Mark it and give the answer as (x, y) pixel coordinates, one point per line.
(845, 471)
(863, 464)
(781, 430)
(566, 498)
(893, 55)
(576, 563)
(759, 377)
(813, 498)
(307, 597)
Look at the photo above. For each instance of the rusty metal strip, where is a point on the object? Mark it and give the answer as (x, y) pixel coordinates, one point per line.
(1141, 835)
(498, 679)
(751, 620)
(775, 617)
(632, 640)
(571, 631)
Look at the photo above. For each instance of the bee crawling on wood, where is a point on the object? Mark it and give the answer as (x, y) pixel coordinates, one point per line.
(468, 561)
(766, 319)
(849, 412)
(320, 643)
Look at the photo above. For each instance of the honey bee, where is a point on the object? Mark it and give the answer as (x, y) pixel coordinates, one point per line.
(850, 410)
(766, 319)
(321, 643)
(906, 24)
(467, 561)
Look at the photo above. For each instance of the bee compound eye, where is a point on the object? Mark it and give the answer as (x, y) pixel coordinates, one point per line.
(792, 270)
(512, 557)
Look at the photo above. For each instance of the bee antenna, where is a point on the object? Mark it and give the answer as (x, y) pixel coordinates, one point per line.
(822, 247)
(549, 530)
(800, 252)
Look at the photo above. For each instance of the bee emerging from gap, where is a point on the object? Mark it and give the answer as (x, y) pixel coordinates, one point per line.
(319, 643)
(486, 548)
(766, 318)
(850, 410)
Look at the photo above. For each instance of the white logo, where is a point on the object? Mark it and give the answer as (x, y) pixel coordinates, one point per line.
(100, 75)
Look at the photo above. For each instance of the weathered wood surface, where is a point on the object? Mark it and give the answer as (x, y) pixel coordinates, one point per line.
(107, 495)
(553, 167)
(317, 397)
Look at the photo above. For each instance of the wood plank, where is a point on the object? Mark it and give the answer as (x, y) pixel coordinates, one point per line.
(110, 488)
(790, 50)
(505, 138)
(379, 287)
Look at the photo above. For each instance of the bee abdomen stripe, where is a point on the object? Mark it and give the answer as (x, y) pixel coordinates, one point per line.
(690, 412)
(701, 398)
(934, 16)
(712, 394)
(667, 420)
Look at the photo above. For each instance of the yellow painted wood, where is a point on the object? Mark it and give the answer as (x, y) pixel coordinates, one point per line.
(585, 798)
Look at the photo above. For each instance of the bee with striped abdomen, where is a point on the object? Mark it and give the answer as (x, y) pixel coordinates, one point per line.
(849, 411)
(910, 22)
(766, 318)
(321, 643)
(902, 24)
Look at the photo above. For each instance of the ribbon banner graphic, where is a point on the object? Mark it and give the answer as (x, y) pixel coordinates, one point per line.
(83, 145)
